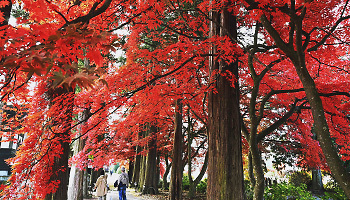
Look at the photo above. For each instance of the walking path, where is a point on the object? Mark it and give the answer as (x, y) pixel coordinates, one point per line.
(130, 195)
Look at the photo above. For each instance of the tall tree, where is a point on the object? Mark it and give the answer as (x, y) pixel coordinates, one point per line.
(151, 175)
(175, 192)
(225, 171)
(298, 49)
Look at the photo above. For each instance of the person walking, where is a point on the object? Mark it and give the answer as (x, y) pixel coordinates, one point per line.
(101, 186)
(122, 183)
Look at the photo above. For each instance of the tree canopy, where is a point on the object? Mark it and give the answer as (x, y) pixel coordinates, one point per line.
(292, 59)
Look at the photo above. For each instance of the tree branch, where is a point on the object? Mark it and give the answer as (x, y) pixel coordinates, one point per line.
(323, 40)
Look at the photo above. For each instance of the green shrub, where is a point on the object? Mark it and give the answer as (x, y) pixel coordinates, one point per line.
(300, 177)
(287, 191)
(337, 193)
(185, 182)
(202, 186)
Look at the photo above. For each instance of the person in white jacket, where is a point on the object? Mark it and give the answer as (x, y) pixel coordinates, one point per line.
(101, 186)
(122, 183)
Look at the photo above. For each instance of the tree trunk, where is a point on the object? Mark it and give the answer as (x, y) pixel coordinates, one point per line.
(158, 170)
(142, 173)
(75, 188)
(225, 171)
(76, 177)
(317, 184)
(195, 182)
(60, 169)
(93, 178)
(175, 192)
(60, 165)
(137, 166)
(86, 183)
(143, 159)
(131, 170)
(193, 185)
(258, 170)
(250, 170)
(151, 184)
(166, 173)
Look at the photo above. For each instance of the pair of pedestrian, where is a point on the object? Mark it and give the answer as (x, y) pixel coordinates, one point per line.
(121, 183)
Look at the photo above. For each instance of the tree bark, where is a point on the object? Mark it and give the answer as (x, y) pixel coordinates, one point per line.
(75, 187)
(166, 173)
(175, 192)
(195, 182)
(142, 173)
(137, 165)
(251, 170)
(86, 183)
(76, 177)
(60, 165)
(225, 171)
(151, 184)
(93, 177)
(131, 170)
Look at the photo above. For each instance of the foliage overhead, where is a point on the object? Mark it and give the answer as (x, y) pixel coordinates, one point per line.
(61, 44)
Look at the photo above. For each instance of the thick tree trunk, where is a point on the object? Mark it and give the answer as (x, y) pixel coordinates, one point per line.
(76, 177)
(175, 192)
(142, 173)
(131, 170)
(151, 184)
(143, 160)
(75, 187)
(225, 171)
(93, 178)
(137, 166)
(60, 169)
(60, 165)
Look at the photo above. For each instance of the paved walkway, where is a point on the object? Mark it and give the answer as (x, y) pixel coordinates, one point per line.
(130, 195)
